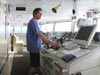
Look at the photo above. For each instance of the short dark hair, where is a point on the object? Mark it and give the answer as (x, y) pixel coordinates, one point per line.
(35, 11)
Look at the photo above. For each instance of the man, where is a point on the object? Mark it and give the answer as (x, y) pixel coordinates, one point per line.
(34, 37)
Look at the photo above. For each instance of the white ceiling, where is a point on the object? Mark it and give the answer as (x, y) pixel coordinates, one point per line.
(64, 11)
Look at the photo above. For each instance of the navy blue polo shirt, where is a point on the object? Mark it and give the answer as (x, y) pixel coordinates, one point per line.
(33, 41)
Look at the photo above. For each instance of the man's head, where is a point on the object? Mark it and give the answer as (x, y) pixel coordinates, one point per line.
(37, 13)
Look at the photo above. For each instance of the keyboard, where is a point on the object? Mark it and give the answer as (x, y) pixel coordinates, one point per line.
(70, 46)
(79, 53)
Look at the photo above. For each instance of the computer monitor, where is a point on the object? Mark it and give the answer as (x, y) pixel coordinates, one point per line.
(84, 36)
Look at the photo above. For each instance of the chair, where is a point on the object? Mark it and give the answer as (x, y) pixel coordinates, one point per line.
(17, 43)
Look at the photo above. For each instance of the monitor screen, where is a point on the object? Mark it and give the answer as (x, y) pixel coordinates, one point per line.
(85, 35)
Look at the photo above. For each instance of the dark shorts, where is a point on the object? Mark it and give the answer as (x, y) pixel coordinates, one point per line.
(35, 59)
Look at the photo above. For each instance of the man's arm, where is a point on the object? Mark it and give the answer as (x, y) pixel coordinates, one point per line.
(45, 39)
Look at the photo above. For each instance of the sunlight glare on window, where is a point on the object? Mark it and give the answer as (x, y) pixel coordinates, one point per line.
(47, 28)
(63, 27)
(98, 26)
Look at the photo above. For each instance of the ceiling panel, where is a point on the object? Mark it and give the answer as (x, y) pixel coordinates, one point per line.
(64, 11)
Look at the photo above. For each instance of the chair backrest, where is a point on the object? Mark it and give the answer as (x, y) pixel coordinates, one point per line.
(84, 22)
(14, 39)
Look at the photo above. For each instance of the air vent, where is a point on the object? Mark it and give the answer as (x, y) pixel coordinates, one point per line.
(20, 8)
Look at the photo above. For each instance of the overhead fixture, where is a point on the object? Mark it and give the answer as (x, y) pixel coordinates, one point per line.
(54, 10)
(20, 8)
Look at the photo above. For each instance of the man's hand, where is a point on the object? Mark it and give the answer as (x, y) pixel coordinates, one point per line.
(55, 44)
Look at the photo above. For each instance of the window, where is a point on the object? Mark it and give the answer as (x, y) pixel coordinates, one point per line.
(18, 29)
(98, 26)
(58, 27)
(47, 28)
(63, 27)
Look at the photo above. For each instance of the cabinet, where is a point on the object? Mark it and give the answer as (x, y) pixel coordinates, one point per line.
(49, 66)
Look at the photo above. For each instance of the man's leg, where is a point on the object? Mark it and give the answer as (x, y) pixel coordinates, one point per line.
(31, 71)
(35, 63)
